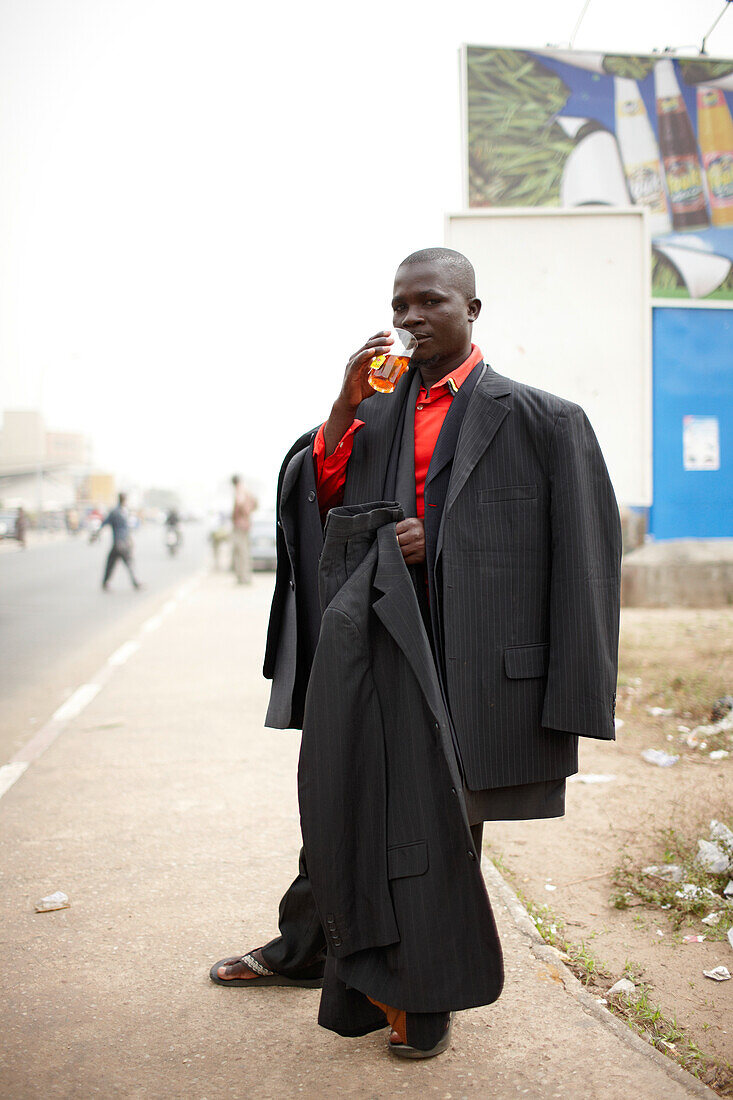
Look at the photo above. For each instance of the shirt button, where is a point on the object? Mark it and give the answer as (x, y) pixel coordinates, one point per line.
(420, 408)
(311, 496)
(471, 856)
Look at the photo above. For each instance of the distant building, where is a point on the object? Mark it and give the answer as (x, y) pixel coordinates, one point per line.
(22, 440)
(44, 470)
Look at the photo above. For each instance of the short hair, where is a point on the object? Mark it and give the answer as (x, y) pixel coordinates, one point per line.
(461, 267)
(121, 498)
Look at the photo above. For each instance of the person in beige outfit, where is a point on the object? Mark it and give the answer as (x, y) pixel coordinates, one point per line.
(244, 506)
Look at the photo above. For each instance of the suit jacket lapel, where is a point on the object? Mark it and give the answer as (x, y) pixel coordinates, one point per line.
(398, 610)
(482, 421)
(445, 447)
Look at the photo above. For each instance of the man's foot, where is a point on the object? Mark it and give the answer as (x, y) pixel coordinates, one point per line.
(399, 1046)
(245, 967)
(252, 970)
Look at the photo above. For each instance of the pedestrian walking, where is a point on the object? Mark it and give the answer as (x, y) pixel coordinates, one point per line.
(21, 527)
(469, 577)
(244, 505)
(118, 520)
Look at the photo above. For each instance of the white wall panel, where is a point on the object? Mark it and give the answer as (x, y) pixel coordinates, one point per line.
(566, 308)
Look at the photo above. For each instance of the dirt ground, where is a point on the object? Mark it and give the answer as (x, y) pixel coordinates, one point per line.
(678, 660)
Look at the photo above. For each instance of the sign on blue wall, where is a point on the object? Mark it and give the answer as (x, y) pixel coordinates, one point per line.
(693, 424)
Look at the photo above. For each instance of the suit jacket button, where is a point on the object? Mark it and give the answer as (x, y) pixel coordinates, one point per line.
(311, 496)
(292, 584)
(471, 855)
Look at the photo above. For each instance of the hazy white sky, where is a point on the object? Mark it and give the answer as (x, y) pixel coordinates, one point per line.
(203, 202)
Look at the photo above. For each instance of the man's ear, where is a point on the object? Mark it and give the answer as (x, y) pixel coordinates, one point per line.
(474, 308)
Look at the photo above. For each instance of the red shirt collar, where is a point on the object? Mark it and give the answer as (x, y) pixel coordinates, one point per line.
(460, 374)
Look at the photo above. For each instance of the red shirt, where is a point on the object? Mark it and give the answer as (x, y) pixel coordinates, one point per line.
(431, 409)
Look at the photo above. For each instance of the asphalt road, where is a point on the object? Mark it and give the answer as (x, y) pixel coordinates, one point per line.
(57, 626)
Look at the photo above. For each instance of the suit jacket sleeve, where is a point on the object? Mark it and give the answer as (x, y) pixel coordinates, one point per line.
(584, 585)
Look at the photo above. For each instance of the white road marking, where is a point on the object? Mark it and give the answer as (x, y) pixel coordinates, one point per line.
(82, 697)
(75, 704)
(123, 653)
(9, 773)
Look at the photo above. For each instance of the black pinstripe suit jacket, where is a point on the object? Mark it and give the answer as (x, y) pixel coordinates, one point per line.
(526, 569)
(391, 862)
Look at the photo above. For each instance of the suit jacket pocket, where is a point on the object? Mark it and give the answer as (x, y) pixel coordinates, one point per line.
(523, 661)
(507, 492)
(405, 860)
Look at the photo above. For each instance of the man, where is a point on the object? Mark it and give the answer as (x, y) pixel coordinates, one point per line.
(121, 548)
(244, 506)
(512, 524)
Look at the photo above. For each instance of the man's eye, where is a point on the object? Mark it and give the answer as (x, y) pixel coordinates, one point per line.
(433, 302)
(396, 309)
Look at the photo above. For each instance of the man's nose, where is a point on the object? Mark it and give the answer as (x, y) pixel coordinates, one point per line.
(412, 319)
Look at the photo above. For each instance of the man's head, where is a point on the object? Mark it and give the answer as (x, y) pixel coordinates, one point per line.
(435, 299)
(121, 499)
(235, 480)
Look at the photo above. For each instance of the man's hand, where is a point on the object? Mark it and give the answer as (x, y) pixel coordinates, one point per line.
(355, 388)
(411, 538)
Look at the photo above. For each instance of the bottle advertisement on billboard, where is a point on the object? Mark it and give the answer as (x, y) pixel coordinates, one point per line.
(567, 128)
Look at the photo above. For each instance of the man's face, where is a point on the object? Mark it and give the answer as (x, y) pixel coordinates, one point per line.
(428, 303)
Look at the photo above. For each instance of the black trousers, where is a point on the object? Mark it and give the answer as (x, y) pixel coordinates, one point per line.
(119, 552)
(300, 949)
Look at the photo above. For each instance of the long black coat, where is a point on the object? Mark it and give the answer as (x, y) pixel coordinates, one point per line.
(524, 552)
(394, 873)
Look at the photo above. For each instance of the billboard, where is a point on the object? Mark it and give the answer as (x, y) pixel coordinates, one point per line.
(560, 128)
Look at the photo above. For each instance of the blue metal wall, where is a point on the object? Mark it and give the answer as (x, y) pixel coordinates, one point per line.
(693, 376)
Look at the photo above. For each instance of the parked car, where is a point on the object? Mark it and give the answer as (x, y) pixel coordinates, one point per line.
(7, 524)
(262, 540)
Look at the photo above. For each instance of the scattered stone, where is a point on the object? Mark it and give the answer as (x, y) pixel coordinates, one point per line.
(549, 886)
(618, 723)
(670, 871)
(718, 974)
(713, 918)
(623, 985)
(59, 900)
(711, 857)
(691, 892)
(683, 729)
(660, 712)
(722, 834)
(728, 891)
(589, 777)
(693, 939)
(730, 936)
(719, 754)
(721, 726)
(721, 707)
(661, 759)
